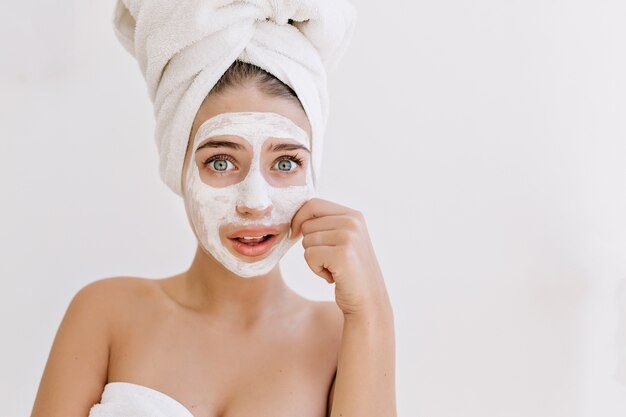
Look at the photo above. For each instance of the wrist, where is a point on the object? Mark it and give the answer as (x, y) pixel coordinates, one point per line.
(373, 310)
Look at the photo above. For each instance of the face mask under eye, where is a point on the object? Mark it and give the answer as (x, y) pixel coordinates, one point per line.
(220, 164)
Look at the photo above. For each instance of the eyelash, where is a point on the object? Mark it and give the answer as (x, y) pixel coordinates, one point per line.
(220, 157)
(214, 157)
(295, 158)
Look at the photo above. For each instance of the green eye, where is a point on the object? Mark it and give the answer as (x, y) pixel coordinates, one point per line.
(285, 165)
(220, 165)
(288, 163)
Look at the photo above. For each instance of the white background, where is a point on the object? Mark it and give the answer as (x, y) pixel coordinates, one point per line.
(485, 141)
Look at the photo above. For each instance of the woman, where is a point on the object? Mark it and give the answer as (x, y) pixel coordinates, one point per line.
(227, 337)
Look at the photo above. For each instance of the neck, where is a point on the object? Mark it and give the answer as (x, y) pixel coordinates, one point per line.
(210, 288)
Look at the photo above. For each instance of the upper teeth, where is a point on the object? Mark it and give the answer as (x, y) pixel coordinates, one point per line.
(250, 238)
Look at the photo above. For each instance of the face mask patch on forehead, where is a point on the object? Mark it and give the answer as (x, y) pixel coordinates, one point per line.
(210, 208)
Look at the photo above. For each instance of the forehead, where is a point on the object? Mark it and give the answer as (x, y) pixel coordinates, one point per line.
(255, 127)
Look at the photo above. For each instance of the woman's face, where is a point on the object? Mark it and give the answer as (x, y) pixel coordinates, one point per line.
(246, 172)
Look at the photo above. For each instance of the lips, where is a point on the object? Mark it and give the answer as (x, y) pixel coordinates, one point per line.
(254, 241)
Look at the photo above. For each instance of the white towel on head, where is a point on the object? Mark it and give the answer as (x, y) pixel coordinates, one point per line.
(183, 47)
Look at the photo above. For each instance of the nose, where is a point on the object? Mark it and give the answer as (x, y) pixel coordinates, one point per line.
(254, 200)
(253, 213)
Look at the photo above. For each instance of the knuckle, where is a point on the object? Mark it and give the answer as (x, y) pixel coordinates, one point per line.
(306, 241)
(305, 227)
(343, 251)
(345, 236)
(353, 236)
(353, 222)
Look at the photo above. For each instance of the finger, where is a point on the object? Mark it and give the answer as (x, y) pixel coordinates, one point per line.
(325, 273)
(314, 208)
(315, 256)
(336, 222)
(325, 238)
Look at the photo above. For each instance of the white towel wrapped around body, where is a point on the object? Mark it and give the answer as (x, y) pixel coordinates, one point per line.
(183, 47)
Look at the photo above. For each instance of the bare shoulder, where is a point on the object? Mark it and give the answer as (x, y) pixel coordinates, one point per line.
(116, 292)
(109, 299)
(119, 286)
(77, 365)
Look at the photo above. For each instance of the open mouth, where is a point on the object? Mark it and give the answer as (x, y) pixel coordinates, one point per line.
(253, 246)
(252, 240)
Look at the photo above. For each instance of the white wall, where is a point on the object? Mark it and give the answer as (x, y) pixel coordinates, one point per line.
(485, 141)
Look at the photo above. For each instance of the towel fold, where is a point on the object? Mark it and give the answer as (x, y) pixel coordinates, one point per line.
(183, 47)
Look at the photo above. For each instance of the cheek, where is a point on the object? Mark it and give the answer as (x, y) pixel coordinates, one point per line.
(207, 205)
(287, 201)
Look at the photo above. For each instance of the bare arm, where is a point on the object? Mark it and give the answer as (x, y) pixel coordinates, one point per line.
(365, 381)
(337, 247)
(76, 370)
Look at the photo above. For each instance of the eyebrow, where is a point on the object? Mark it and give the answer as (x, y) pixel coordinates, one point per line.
(213, 143)
(287, 147)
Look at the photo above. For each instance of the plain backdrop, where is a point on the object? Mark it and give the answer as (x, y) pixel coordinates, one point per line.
(485, 142)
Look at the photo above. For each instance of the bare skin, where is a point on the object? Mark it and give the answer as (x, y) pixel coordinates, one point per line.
(227, 346)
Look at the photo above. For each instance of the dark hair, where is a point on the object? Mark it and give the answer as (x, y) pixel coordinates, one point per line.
(241, 73)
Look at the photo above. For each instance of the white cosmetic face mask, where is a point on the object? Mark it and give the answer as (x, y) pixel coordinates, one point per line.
(211, 208)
